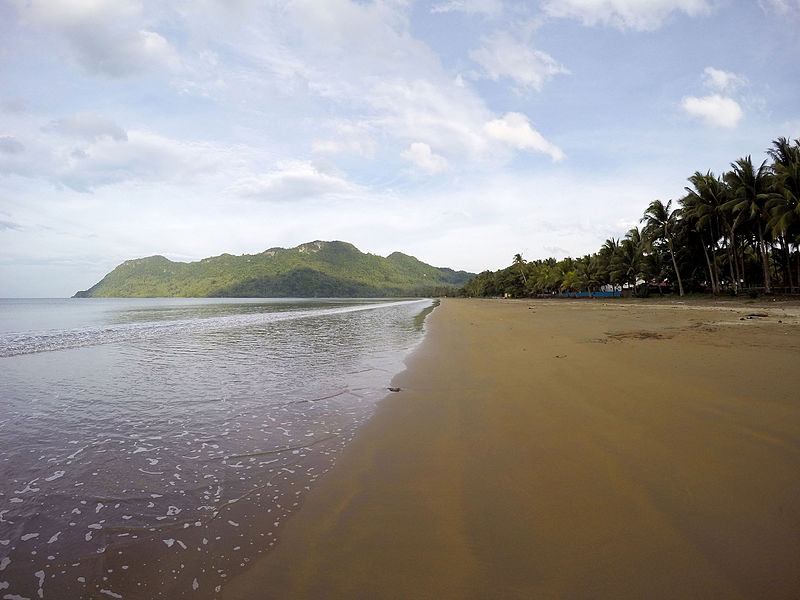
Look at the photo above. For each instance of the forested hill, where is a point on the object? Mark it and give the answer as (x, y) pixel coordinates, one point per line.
(316, 269)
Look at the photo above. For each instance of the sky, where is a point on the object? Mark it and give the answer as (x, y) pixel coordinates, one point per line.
(461, 132)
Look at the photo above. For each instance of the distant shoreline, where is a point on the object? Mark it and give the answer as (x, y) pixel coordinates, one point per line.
(620, 449)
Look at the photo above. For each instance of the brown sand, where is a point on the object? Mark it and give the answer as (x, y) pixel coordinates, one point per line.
(566, 449)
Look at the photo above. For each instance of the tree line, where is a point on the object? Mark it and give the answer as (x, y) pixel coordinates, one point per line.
(729, 233)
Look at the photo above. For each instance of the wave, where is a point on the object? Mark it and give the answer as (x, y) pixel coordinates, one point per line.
(31, 342)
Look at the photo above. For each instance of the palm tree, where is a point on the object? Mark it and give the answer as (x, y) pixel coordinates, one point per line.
(660, 224)
(784, 206)
(520, 262)
(626, 263)
(750, 188)
(704, 202)
(604, 258)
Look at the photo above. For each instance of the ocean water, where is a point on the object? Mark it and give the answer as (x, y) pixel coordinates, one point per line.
(151, 448)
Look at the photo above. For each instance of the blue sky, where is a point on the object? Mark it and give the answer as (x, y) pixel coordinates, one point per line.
(458, 131)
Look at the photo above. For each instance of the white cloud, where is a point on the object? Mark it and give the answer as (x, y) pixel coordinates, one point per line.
(350, 138)
(361, 59)
(503, 56)
(295, 180)
(515, 130)
(420, 154)
(88, 126)
(142, 158)
(782, 7)
(107, 37)
(444, 116)
(639, 15)
(487, 7)
(721, 81)
(85, 152)
(715, 110)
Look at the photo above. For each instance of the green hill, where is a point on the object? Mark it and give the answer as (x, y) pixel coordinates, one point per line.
(315, 269)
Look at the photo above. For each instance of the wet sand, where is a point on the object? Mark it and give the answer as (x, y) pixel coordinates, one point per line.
(566, 449)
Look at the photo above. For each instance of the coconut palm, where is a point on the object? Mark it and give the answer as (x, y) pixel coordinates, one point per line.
(784, 206)
(660, 223)
(520, 262)
(626, 264)
(750, 190)
(704, 203)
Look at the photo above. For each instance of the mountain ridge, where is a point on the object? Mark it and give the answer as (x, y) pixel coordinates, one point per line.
(313, 269)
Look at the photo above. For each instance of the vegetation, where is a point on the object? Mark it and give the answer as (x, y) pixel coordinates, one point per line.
(316, 269)
(730, 233)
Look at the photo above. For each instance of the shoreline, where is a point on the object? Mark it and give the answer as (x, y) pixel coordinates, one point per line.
(565, 449)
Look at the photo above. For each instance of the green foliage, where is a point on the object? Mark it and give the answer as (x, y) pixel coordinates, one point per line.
(316, 269)
(733, 232)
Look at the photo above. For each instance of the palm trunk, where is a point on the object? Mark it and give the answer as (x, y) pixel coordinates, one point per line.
(714, 285)
(735, 260)
(714, 264)
(743, 246)
(714, 248)
(731, 267)
(798, 265)
(708, 263)
(675, 266)
(788, 262)
(764, 259)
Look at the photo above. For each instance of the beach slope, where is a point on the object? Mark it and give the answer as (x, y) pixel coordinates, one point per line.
(566, 449)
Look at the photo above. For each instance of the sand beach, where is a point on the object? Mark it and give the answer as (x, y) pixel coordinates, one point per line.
(566, 449)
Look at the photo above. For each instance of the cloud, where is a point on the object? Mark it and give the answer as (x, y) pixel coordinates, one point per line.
(106, 37)
(715, 110)
(420, 154)
(503, 56)
(294, 180)
(487, 7)
(9, 225)
(515, 130)
(85, 154)
(10, 145)
(444, 116)
(88, 126)
(721, 81)
(362, 60)
(781, 7)
(145, 158)
(350, 138)
(625, 14)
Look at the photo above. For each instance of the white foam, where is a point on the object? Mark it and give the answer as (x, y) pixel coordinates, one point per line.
(40, 576)
(78, 451)
(28, 487)
(54, 476)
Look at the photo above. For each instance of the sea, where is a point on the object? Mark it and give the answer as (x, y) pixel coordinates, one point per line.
(152, 448)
